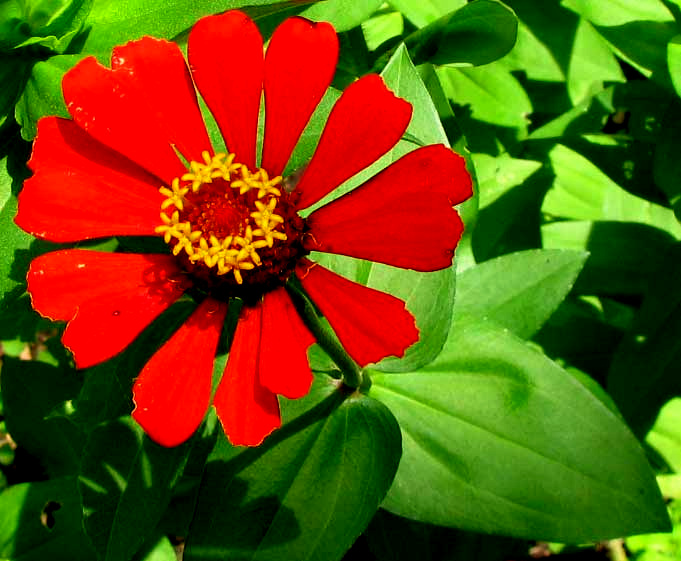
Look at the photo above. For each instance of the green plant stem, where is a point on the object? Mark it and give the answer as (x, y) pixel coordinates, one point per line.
(327, 340)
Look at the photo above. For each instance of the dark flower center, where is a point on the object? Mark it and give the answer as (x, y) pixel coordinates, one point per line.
(236, 232)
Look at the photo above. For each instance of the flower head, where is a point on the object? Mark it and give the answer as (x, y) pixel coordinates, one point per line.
(135, 159)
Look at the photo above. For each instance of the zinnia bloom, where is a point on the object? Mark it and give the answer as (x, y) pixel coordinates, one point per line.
(136, 160)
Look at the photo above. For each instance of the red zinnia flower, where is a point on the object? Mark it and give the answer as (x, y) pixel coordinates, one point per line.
(233, 228)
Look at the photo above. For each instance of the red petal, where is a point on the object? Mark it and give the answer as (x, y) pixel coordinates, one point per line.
(283, 367)
(226, 57)
(365, 123)
(247, 410)
(82, 190)
(172, 393)
(370, 324)
(299, 65)
(107, 298)
(144, 107)
(403, 216)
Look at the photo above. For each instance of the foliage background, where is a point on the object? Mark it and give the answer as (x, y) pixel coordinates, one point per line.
(541, 403)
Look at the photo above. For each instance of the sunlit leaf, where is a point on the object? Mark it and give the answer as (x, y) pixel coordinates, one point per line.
(499, 439)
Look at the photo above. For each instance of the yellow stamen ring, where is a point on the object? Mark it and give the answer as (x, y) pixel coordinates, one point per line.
(239, 251)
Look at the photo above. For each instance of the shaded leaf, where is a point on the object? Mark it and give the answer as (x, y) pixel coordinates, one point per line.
(126, 487)
(43, 521)
(479, 32)
(645, 369)
(31, 390)
(624, 256)
(306, 493)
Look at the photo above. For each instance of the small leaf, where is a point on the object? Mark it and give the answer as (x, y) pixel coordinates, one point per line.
(479, 32)
(306, 493)
(43, 521)
(674, 62)
(126, 487)
(42, 95)
(499, 439)
(519, 290)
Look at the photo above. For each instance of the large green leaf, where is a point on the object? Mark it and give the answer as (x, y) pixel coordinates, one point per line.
(31, 390)
(519, 290)
(42, 521)
(497, 438)
(126, 487)
(306, 493)
(478, 33)
(114, 23)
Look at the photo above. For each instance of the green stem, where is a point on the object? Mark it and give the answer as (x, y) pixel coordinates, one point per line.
(327, 340)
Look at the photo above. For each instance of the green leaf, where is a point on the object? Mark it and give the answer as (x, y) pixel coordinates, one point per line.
(493, 94)
(114, 23)
(674, 62)
(582, 334)
(510, 196)
(665, 437)
(162, 550)
(107, 389)
(666, 163)
(645, 369)
(31, 390)
(42, 95)
(639, 30)
(617, 12)
(624, 256)
(43, 521)
(126, 487)
(14, 71)
(306, 493)
(591, 63)
(519, 290)
(423, 12)
(479, 32)
(499, 439)
(582, 191)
